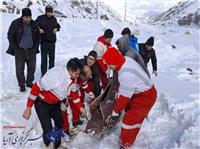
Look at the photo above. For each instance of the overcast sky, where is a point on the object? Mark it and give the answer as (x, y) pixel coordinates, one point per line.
(141, 7)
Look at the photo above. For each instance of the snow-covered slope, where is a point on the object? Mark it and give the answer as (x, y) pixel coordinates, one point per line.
(184, 13)
(63, 8)
(140, 10)
(172, 123)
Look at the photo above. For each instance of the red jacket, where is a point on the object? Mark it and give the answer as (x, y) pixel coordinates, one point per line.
(102, 40)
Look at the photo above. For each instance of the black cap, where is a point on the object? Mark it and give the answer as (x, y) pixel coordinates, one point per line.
(48, 8)
(108, 33)
(150, 41)
(126, 31)
(93, 54)
(26, 12)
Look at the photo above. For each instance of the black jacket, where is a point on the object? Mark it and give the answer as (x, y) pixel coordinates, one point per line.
(47, 24)
(147, 55)
(15, 34)
(95, 77)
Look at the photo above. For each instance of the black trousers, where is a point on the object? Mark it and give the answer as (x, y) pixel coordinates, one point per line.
(47, 51)
(23, 56)
(45, 112)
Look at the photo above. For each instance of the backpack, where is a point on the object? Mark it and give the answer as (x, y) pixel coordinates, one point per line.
(133, 43)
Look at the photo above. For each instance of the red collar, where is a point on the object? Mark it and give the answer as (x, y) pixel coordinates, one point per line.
(102, 40)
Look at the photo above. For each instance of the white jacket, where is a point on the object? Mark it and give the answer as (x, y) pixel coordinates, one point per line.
(132, 79)
(100, 48)
(57, 80)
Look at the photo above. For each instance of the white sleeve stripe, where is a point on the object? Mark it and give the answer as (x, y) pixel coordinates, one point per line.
(114, 113)
(39, 83)
(41, 96)
(85, 86)
(77, 100)
(125, 126)
(32, 97)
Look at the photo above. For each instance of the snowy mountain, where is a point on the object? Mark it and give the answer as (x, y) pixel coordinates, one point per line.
(140, 10)
(184, 13)
(63, 8)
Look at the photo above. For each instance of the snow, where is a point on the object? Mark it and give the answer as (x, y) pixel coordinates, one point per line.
(172, 123)
(140, 9)
(177, 12)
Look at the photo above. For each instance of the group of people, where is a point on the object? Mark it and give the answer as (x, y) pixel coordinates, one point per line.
(82, 79)
(25, 35)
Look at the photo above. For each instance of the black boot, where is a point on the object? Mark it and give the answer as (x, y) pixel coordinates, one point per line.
(29, 85)
(75, 124)
(22, 89)
(57, 144)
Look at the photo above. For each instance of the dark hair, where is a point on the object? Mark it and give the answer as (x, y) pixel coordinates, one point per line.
(93, 54)
(74, 64)
(126, 31)
(108, 33)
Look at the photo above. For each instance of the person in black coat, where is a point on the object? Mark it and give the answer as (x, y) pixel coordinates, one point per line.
(147, 52)
(48, 26)
(90, 60)
(23, 37)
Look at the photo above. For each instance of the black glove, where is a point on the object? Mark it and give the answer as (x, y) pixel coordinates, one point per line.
(111, 120)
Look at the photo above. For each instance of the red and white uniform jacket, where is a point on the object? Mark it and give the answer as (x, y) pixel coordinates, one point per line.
(86, 90)
(132, 80)
(100, 46)
(55, 86)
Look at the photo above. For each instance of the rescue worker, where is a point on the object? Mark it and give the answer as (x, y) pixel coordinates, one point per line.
(47, 94)
(103, 42)
(136, 95)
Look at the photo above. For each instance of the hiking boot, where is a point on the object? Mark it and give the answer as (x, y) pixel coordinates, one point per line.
(67, 136)
(75, 124)
(29, 85)
(57, 144)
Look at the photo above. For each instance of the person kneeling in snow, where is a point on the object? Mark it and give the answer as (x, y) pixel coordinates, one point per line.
(47, 95)
(136, 95)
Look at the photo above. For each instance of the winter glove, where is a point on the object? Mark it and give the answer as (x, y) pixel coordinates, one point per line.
(112, 119)
(55, 134)
(109, 73)
(91, 97)
(63, 106)
(83, 112)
